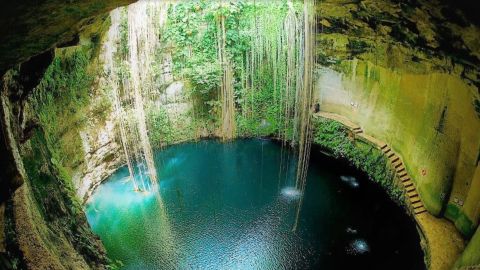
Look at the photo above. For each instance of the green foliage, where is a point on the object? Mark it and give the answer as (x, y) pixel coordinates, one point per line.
(115, 265)
(333, 136)
(164, 131)
(13, 257)
(192, 33)
(205, 77)
(161, 128)
(124, 34)
(356, 46)
(55, 199)
(263, 115)
(61, 104)
(60, 101)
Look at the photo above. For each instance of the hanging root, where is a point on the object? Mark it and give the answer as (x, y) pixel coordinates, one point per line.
(226, 93)
(133, 91)
(306, 101)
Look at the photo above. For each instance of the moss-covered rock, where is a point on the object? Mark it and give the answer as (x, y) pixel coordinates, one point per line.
(427, 117)
(28, 28)
(470, 258)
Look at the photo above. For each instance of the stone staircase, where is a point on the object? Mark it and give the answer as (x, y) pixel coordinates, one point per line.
(415, 204)
(445, 241)
(357, 130)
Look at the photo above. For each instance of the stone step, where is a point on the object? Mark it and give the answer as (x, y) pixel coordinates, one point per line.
(384, 146)
(417, 205)
(391, 155)
(414, 200)
(400, 170)
(358, 131)
(396, 159)
(386, 150)
(420, 210)
(403, 174)
(398, 165)
(407, 184)
(404, 179)
(409, 187)
(412, 194)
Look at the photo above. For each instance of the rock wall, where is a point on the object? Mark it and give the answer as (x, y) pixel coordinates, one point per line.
(428, 118)
(101, 142)
(103, 155)
(381, 76)
(43, 225)
(471, 256)
(42, 228)
(29, 28)
(102, 147)
(407, 72)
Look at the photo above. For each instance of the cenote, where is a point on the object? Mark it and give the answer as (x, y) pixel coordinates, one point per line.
(239, 134)
(233, 206)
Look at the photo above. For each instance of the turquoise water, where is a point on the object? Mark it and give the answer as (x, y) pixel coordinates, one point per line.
(232, 206)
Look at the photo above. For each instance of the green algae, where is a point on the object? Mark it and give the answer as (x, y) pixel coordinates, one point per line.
(470, 258)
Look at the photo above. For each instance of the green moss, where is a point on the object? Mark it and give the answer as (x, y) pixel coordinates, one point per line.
(55, 198)
(432, 196)
(462, 222)
(13, 256)
(465, 225)
(61, 103)
(470, 258)
(452, 211)
(333, 137)
(357, 46)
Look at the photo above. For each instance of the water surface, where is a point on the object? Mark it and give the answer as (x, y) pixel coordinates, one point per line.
(233, 205)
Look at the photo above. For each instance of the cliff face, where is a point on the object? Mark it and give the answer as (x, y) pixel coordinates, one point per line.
(408, 73)
(102, 148)
(30, 27)
(29, 30)
(102, 157)
(428, 118)
(413, 92)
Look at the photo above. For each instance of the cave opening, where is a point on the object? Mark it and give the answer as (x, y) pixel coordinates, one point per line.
(239, 134)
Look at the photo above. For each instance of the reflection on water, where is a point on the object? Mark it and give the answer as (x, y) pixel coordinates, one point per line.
(350, 180)
(291, 193)
(358, 246)
(227, 206)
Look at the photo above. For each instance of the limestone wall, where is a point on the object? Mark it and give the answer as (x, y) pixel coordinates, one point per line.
(471, 256)
(103, 155)
(102, 146)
